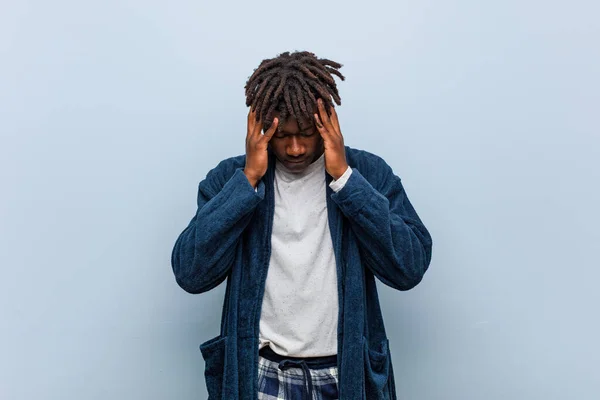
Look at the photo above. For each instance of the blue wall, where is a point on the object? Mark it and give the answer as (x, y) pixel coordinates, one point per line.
(112, 111)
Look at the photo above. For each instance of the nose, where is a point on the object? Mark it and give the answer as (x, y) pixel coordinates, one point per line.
(294, 147)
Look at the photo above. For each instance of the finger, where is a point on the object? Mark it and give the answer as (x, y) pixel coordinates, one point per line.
(323, 115)
(320, 127)
(252, 115)
(335, 122)
(258, 125)
(251, 122)
(271, 131)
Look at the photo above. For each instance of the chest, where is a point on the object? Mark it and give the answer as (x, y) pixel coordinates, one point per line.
(300, 207)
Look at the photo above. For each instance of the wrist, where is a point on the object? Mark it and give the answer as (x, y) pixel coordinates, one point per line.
(338, 174)
(252, 178)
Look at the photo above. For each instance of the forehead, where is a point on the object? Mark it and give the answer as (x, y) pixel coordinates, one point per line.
(292, 124)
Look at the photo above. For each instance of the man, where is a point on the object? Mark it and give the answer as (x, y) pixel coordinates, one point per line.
(299, 226)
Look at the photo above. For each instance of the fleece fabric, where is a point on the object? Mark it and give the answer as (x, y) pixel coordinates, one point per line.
(375, 231)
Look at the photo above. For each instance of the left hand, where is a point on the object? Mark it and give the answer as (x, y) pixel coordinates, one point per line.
(335, 153)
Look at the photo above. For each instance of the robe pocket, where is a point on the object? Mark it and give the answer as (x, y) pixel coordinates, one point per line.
(377, 370)
(213, 351)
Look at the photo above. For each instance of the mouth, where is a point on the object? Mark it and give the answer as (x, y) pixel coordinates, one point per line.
(294, 163)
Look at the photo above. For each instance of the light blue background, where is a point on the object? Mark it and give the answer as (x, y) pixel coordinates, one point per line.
(111, 112)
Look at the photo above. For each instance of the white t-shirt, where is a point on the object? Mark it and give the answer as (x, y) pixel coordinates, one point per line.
(299, 316)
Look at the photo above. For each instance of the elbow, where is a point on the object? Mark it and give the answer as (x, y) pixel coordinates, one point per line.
(190, 286)
(187, 269)
(196, 280)
(198, 270)
(399, 278)
(186, 280)
(420, 262)
(407, 283)
(192, 283)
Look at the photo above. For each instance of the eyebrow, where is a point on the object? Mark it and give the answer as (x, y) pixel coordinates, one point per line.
(300, 131)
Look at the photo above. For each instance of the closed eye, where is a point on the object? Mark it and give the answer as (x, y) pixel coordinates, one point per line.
(281, 135)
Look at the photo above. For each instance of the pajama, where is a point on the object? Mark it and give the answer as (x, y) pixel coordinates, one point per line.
(289, 378)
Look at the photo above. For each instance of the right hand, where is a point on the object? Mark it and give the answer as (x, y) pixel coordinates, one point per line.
(257, 143)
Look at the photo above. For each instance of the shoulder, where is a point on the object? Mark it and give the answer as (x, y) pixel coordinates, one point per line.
(218, 176)
(372, 167)
(366, 162)
(228, 166)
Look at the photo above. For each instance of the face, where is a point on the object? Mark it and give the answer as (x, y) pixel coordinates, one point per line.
(297, 146)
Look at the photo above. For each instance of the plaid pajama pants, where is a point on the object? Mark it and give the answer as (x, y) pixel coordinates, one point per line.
(290, 378)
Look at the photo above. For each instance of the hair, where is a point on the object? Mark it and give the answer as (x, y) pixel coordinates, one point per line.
(290, 84)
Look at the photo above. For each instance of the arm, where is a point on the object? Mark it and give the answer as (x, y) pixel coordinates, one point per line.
(205, 250)
(203, 253)
(394, 243)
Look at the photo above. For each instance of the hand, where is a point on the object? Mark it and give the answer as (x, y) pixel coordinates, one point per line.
(257, 157)
(335, 153)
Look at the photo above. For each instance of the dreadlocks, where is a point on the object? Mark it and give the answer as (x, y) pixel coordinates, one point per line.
(290, 84)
